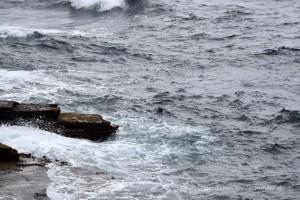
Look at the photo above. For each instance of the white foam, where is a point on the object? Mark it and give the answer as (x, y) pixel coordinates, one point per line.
(17, 31)
(43, 84)
(13, 31)
(101, 4)
(137, 158)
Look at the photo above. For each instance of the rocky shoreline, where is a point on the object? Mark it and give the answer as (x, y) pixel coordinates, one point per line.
(27, 178)
(24, 176)
(50, 118)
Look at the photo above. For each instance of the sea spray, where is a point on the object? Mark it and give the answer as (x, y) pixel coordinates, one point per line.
(100, 5)
(13, 31)
(134, 165)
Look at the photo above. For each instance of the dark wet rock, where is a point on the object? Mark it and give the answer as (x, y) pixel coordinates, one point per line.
(159, 110)
(35, 35)
(25, 155)
(46, 160)
(11, 110)
(41, 195)
(7, 106)
(8, 154)
(31, 164)
(48, 117)
(88, 126)
(27, 160)
(26, 179)
(49, 111)
(63, 163)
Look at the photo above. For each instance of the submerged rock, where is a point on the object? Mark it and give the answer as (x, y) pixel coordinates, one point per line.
(8, 154)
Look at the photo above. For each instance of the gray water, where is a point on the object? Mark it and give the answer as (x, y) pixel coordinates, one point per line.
(224, 73)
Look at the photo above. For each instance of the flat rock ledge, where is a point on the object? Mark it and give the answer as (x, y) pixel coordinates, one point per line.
(22, 175)
(26, 177)
(49, 117)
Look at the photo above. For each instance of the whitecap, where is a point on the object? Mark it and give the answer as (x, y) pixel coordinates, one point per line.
(101, 5)
(13, 31)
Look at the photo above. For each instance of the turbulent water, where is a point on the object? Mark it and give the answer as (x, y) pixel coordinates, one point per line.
(225, 75)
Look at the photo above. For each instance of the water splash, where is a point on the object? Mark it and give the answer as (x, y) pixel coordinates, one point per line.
(13, 31)
(146, 170)
(100, 5)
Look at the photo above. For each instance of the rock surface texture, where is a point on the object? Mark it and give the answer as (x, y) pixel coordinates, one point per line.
(49, 117)
(8, 154)
(90, 126)
(24, 181)
(11, 110)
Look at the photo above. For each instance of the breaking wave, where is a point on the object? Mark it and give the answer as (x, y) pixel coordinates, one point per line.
(11, 31)
(23, 32)
(100, 5)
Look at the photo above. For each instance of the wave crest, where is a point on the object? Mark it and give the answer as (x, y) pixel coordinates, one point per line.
(10, 31)
(100, 5)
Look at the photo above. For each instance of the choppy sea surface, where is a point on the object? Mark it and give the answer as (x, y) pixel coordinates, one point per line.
(224, 73)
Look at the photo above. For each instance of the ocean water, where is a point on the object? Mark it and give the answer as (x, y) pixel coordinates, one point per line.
(226, 74)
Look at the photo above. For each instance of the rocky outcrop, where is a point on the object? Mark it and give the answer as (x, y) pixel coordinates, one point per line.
(11, 110)
(8, 154)
(88, 126)
(26, 179)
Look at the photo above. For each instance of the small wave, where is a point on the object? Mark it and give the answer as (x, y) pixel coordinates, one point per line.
(200, 36)
(165, 144)
(276, 148)
(107, 49)
(156, 9)
(96, 6)
(238, 12)
(287, 116)
(280, 50)
(192, 17)
(54, 45)
(60, 4)
(23, 32)
(167, 98)
(7, 31)
(226, 37)
(250, 133)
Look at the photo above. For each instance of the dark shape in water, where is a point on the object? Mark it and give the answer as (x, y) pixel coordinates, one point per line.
(160, 110)
(287, 116)
(133, 2)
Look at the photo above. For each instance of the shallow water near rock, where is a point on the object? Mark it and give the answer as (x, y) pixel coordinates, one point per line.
(206, 94)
